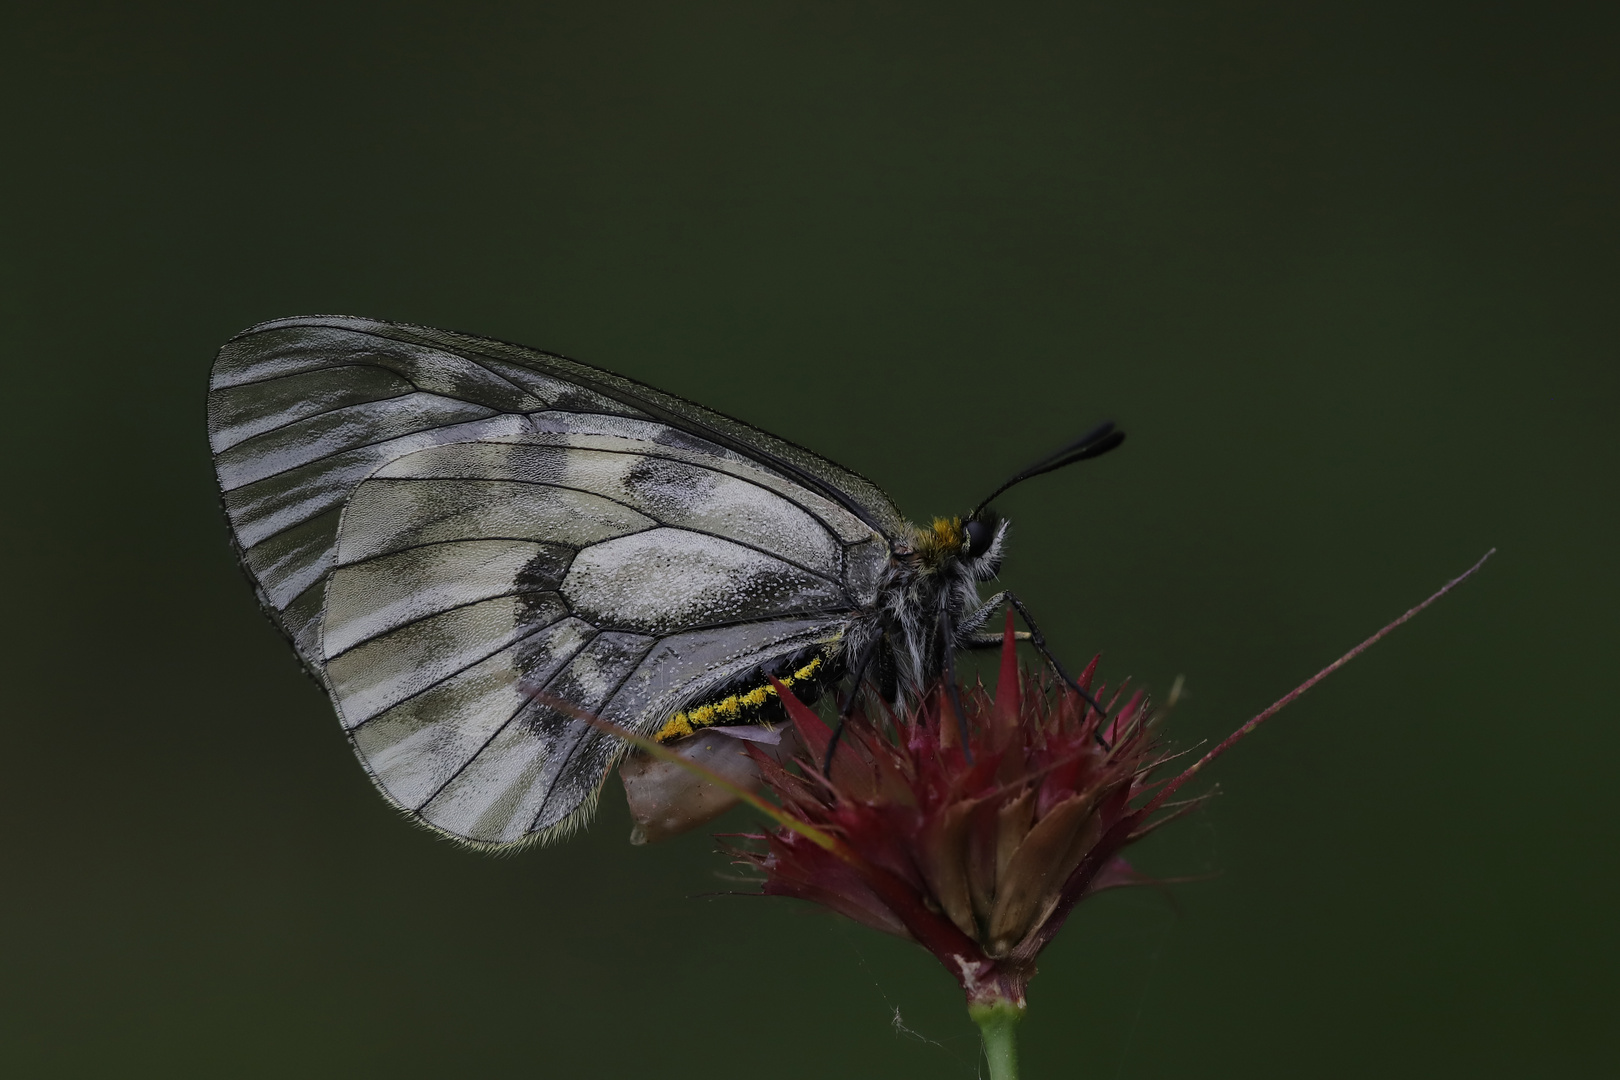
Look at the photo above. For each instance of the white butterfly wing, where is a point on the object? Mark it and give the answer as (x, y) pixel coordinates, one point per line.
(454, 540)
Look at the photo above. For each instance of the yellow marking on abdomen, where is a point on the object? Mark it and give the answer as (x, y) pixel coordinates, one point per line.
(688, 721)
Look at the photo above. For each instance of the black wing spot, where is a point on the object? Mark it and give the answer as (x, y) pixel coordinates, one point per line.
(545, 571)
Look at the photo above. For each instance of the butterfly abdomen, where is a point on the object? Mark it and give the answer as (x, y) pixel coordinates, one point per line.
(753, 700)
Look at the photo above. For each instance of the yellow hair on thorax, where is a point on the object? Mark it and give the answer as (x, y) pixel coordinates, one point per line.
(941, 542)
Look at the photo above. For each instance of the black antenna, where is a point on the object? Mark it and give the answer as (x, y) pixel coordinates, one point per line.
(1094, 443)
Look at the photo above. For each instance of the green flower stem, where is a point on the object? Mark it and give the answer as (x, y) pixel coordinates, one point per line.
(998, 1025)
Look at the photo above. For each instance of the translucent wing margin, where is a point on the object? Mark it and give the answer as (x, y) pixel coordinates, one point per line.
(455, 533)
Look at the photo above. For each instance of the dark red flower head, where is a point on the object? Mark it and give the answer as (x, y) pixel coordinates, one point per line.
(977, 857)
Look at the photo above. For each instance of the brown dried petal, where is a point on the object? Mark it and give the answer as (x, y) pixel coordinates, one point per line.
(942, 856)
(1013, 820)
(1036, 872)
(981, 857)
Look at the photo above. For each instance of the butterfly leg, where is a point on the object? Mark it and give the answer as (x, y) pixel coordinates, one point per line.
(948, 640)
(847, 709)
(990, 641)
(1037, 639)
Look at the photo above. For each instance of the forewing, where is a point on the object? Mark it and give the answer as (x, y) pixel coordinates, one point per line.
(456, 539)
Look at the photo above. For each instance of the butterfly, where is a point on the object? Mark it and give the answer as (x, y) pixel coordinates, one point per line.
(471, 545)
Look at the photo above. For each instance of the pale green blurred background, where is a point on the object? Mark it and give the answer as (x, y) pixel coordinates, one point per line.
(1346, 273)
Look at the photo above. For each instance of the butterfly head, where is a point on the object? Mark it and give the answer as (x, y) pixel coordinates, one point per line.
(984, 541)
(972, 547)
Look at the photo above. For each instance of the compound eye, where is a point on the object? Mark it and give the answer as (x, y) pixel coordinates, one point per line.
(979, 536)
